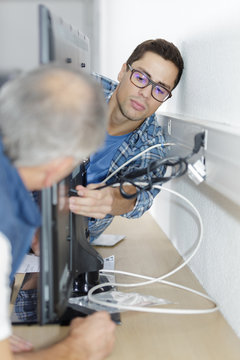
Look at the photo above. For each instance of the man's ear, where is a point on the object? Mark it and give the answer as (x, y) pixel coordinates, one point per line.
(57, 169)
(122, 72)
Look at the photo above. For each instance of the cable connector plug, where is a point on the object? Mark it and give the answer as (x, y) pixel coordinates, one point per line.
(197, 172)
(199, 140)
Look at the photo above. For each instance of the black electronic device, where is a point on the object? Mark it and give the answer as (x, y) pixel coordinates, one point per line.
(86, 262)
(59, 42)
(69, 265)
(76, 263)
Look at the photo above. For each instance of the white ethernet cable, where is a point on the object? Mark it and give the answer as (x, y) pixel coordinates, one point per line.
(160, 279)
(151, 280)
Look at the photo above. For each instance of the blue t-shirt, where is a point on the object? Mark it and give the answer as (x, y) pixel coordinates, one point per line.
(100, 161)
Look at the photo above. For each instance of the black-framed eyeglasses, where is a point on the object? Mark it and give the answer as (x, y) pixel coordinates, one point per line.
(141, 80)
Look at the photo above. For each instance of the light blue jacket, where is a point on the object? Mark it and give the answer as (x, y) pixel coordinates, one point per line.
(19, 214)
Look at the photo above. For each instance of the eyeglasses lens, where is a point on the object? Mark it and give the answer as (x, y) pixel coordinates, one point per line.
(139, 79)
(159, 93)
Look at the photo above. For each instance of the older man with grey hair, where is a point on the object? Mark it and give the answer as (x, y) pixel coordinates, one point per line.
(50, 119)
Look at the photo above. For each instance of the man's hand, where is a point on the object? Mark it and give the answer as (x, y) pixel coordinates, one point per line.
(91, 202)
(18, 344)
(98, 203)
(92, 337)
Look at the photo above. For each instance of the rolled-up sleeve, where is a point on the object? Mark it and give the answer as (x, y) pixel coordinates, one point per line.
(143, 203)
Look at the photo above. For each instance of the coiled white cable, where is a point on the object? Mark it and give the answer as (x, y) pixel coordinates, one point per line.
(151, 280)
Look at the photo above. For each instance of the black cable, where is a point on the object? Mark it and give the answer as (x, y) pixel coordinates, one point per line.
(177, 166)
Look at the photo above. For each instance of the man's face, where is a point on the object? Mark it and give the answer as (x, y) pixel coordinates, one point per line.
(136, 104)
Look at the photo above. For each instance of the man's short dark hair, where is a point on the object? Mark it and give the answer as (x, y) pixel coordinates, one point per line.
(161, 47)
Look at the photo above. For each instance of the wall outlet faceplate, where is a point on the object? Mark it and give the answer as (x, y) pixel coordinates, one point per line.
(220, 152)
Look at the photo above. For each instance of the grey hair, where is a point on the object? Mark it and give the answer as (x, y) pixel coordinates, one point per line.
(51, 112)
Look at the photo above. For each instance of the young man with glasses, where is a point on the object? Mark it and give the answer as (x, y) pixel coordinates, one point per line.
(146, 80)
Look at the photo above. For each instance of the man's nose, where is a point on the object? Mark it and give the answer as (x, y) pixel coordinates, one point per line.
(146, 91)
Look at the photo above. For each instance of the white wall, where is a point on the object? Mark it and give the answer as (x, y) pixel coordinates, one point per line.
(208, 34)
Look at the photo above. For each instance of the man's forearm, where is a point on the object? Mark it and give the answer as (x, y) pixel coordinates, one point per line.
(91, 338)
(59, 351)
(121, 205)
(95, 203)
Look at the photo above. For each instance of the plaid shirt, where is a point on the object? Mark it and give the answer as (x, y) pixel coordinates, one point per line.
(26, 305)
(146, 135)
